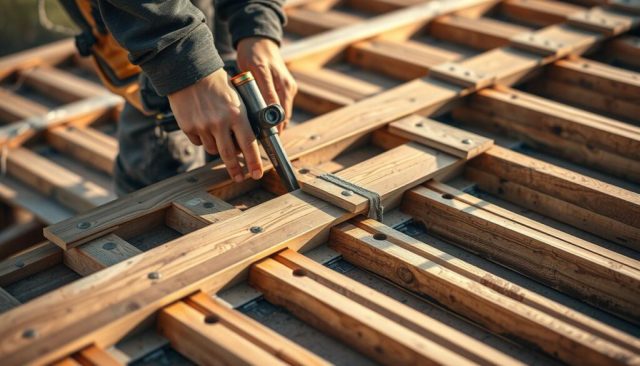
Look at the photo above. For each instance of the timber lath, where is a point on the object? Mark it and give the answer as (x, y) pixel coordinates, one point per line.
(502, 137)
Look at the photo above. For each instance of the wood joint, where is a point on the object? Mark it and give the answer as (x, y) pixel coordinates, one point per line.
(461, 76)
(599, 21)
(540, 45)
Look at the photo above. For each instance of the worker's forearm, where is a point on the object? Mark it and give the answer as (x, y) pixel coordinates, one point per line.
(168, 39)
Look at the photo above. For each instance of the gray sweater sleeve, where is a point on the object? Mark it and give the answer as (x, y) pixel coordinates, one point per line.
(168, 39)
(250, 18)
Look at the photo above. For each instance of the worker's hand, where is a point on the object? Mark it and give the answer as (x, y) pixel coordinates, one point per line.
(262, 57)
(210, 112)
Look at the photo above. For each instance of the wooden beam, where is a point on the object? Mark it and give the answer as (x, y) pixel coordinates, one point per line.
(539, 12)
(87, 145)
(19, 236)
(583, 137)
(15, 107)
(479, 33)
(207, 259)
(395, 311)
(372, 334)
(49, 54)
(241, 327)
(99, 254)
(589, 193)
(31, 261)
(415, 269)
(198, 210)
(452, 140)
(563, 265)
(61, 85)
(93, 355)
(53, 180)
(556, 207)
(625, 49)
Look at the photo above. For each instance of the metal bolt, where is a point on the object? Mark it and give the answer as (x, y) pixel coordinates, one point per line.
(346, 193)
(256, 229)
(192, 179)
(29, 333)
(313, 137)
(419, 124)
(303, 171)
(467, 141)
(109, 245)
(207, 205)
(19, 264)
(83, 225)
(153, 275)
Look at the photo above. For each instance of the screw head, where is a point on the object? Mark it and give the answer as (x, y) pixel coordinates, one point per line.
(19, 264)
(303, 171)
(109, 245)
(467, 141)
(419, 124)
(256, 229)
(29, 333)
(153, 275)
(83, 225)
(207, 205)
(346, 193)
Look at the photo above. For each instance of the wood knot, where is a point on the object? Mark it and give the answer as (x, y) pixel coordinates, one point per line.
(405, 275)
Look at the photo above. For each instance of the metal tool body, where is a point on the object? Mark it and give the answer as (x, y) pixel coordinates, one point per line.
(264, 120)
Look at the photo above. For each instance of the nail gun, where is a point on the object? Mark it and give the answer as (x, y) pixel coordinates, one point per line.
(264, 120)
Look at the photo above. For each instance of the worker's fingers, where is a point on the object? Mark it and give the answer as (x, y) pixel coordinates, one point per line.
(249, 146)
(227, 152)
(286, 88)
(194, 138)
(209, 142)
(262, 74)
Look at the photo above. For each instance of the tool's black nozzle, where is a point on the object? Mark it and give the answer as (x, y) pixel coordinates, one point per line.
(271, 116)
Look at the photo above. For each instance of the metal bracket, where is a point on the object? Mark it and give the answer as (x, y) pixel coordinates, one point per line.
(537, 44)
(599, 21)
(461, 76)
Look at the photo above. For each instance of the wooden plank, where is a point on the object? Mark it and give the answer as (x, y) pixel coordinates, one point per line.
(49, 54)
(406, 60)
(479, 33)
(583, 137)
(602, 20)
(539, 12)
(19, 236)
(608, 80)
(31, 261)
(486, 278)
(254, 332)
(410, 161)
(562, 265)
(61, 85)
(557, 208)
(395, 311)
(93, 355)
(208, 341)
(589, 193)
(499, 313)
(339, 83)
(452, 140)
(317, 50)
(207, 259)
(87, 145)
(7, 301)
(625, 49)
(372, 334)
(193, 212)
(15, 107)
(307, 22)
(99, 254)
(51, 179)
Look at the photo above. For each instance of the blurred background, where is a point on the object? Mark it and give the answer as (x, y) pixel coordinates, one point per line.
(29, 23)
